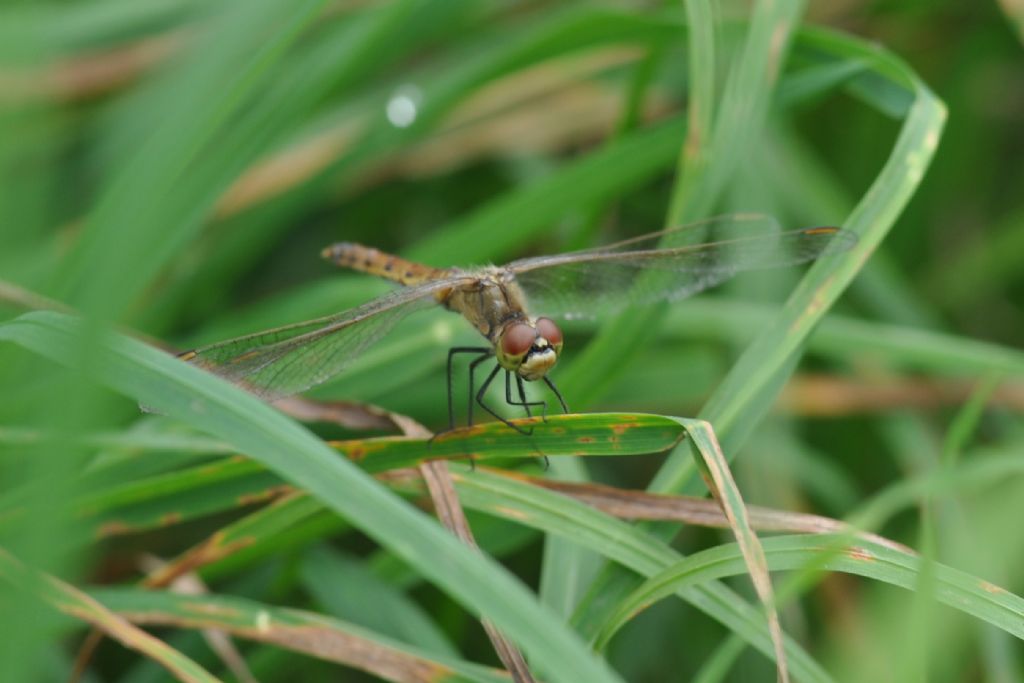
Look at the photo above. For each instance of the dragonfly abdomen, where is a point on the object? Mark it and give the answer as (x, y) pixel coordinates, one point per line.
(379, 263)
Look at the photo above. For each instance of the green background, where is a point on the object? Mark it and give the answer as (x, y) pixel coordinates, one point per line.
(173, 168)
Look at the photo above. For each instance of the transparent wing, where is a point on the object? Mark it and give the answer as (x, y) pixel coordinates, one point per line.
(286, 360)
(668, 265)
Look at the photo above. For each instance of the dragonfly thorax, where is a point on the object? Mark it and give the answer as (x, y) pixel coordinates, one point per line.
(528, 348)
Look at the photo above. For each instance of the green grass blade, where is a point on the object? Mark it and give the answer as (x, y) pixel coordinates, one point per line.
(296, 630)
(842, 337)
(626, 545)
(230, 64)
(775, 345)
(700, 185)
(348, 589)
(229, 413)
(494, 231)
(719, 479)
(832, 553)
(751, 385)
(73, 602)
(189, 493)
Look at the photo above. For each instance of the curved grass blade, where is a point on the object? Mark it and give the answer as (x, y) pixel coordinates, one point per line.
(739, 394)
(698, 184)
(715, 470)
(165, 502)
(745, 104)
(225, 411)
(79, 605)
(265, 523)
(695, 511)
(957, 589)
(300, 631)
(642, 553)
(449, 512)
(368, 600)
(842, 336)
(625, 544)
(177, 497)
(185, 494)
(754, 381)
(274, 519)
(232, 61)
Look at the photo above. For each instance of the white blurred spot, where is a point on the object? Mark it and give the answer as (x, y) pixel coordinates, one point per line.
(442, 331)
(263, 621)
(403, 107)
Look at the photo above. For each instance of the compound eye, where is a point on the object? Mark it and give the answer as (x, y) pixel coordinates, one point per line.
(517, 339)
(549, 330)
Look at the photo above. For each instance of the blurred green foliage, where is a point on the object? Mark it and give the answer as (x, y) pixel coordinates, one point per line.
(173, 168)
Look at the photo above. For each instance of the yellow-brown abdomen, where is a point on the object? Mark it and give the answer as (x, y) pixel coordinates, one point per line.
(376, 262)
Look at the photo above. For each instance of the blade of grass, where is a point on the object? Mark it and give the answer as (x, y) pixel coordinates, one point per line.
(843, 337)
(227, 412)
(627, 545)
(751, 385)
(365, 599)
(238, 50)
(870, 220)
(954, 588)
(703, 177)
(637, 157)
(716, 667)
(266, 522)
(464, 73)
(449, 512)
(77, 604)
(167, 499)
(295, 630)
(642, 553)
(967, 418)
(715, 471)
(564, 562)
(699, 181)
(188, 493)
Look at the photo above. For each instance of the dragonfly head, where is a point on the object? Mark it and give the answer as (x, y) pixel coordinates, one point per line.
(529, 348)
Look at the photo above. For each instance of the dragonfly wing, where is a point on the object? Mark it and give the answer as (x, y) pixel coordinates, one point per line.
(722, 228)
(599, 281)
(287, 360)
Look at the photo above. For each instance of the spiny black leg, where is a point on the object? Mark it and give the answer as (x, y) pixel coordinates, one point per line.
(469, 397)
(480, 401)
(451, 356)
(543, 411)
(547, 380)
(522, 396)
(472, 372)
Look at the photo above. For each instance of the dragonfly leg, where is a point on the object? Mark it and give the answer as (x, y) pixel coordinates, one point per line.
(483, 351)
(480, 401)
(472, 375)
(547, 380)
(522, 396)
(526, 404)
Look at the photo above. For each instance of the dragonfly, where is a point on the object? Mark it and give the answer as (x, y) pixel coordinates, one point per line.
(514, 306)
